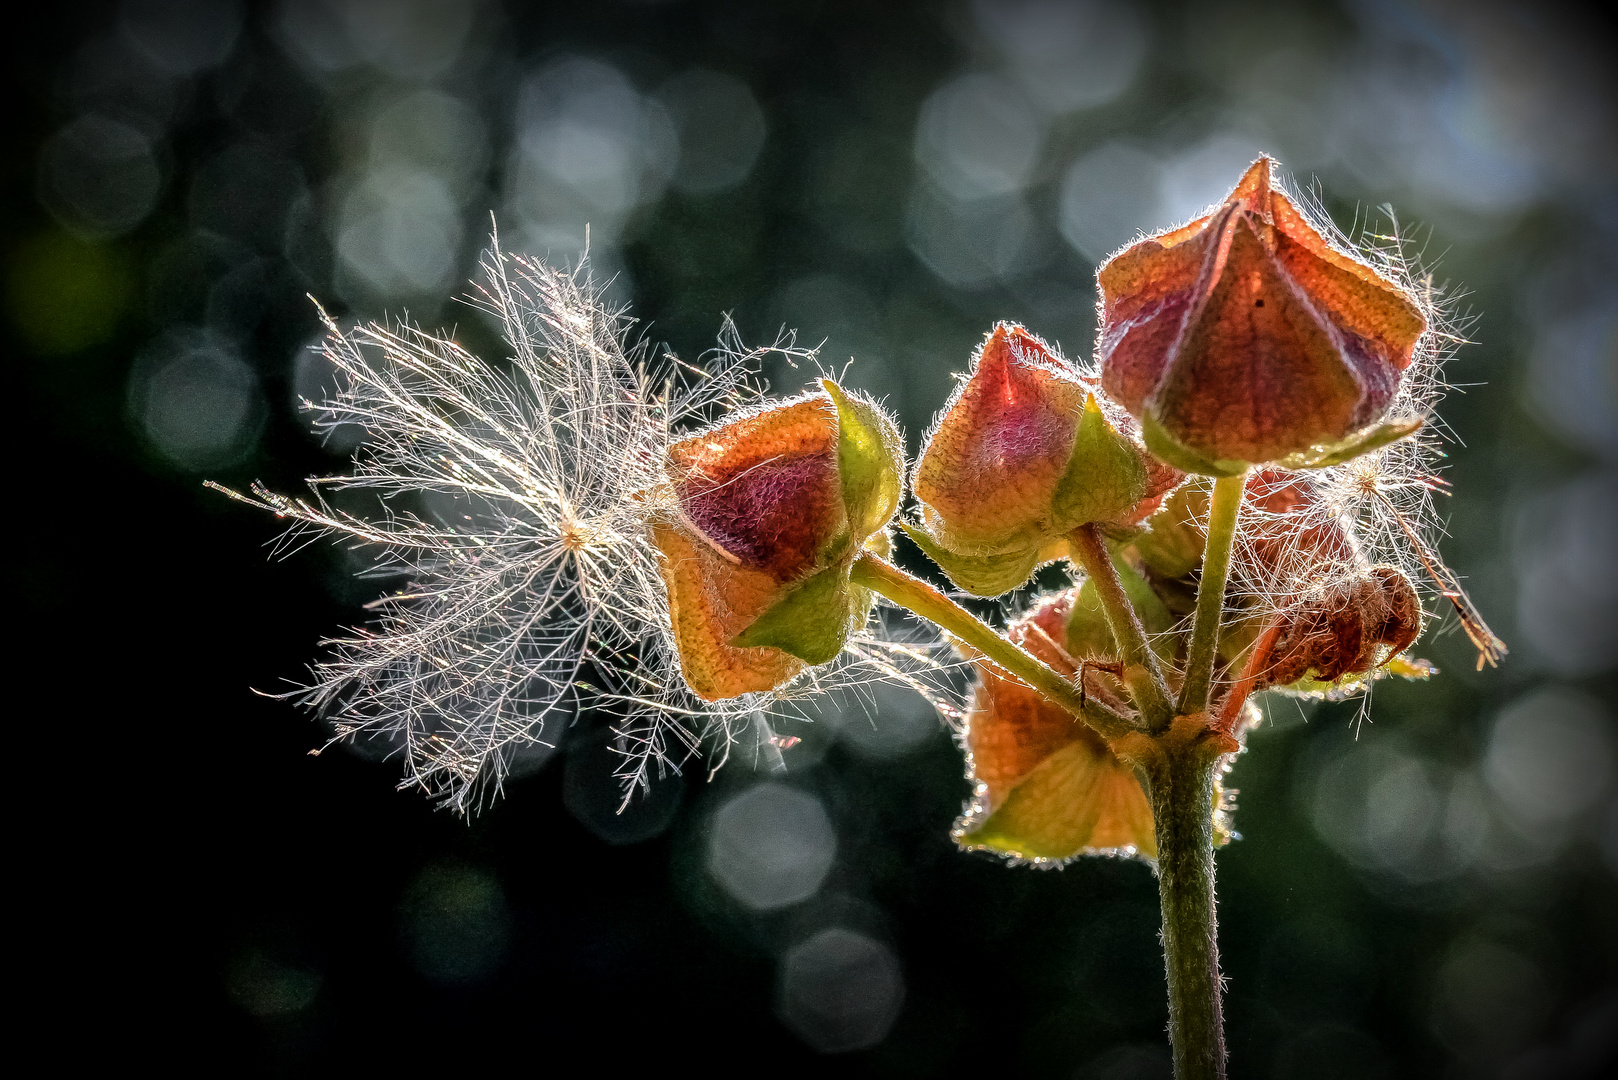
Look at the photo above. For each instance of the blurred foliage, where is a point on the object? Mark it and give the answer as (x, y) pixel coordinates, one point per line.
(66, 295)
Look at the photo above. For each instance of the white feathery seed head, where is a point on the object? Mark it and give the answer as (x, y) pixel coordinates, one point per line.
(515, 499)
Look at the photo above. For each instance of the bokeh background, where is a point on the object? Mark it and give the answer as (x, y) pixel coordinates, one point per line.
(1426, 888)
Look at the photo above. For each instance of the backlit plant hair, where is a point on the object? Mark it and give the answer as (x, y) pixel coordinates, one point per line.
(1240, 485)
(516, 501)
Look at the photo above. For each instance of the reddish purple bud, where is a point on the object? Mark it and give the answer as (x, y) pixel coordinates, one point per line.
(1024, 453)
(1245, 337)
(772, 509)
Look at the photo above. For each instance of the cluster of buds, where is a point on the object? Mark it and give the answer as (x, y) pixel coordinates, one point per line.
(753, 551)
(1243, 344)
(1246, 369)
(1242, 339)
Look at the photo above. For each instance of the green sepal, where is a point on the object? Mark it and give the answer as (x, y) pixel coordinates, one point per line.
(1408, 667)
(1089, 637)
(812, 621)
(1402, 665)
(1053, 812)
(1372, 438)
(879, 543)
(1182, 457)
(980, 575)
(1105, 475)
(836, 549)
(1173, 544)
(870, 461)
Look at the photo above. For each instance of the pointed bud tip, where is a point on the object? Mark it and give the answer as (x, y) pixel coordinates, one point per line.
(1246, 337)
(1023, 454)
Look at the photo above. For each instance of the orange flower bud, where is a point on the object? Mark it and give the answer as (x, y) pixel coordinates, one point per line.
(1246, 337)
(1022, 455)
(772, 510)
(1048, 785)
(711, 600)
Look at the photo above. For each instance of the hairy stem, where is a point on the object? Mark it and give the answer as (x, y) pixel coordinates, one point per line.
(921, 598)
(1180, 785)
(1199, 664)
(1141, 672)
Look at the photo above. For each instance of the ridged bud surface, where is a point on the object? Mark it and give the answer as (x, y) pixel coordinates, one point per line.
(1245, 337)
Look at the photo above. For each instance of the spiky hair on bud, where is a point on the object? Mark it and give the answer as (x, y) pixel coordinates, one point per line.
(515, 499)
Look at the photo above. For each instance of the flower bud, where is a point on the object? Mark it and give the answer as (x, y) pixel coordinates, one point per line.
(1048, 787)
(1246, 337)
(1022, 455)
(1172, 543)
(1345, 632)
(1089, 635)
(771, 511)
(1290, 544)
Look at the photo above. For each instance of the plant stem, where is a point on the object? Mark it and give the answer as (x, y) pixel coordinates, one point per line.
(1258, 665)
(921, 598)
(1199, 664)
(1179, 784)
(1141, 672)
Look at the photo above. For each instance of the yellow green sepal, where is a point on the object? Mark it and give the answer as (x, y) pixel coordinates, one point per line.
(1171, 547)
(1105, 476)
(1362, 442)
(1167, 448)
(980, 575)
(1054, 811)
(870, 461)
(813, 620)
(1089, 637)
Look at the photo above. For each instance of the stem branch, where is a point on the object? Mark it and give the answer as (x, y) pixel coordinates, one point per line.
(1199, 664)
(1258, 666)
(1141, 672)
(921, 598)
